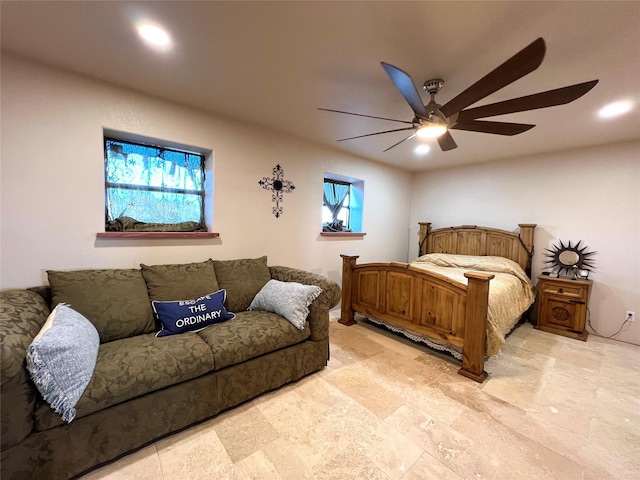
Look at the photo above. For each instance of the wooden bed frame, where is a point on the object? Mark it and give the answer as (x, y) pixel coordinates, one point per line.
(430, 304)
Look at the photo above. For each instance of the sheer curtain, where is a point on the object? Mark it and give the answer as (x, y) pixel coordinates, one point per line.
(334, 195)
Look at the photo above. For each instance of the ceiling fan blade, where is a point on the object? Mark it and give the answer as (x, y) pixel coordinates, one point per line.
(522, 63)
(377, 133)
(498, 128)
(446, 142)
(363, 115)
(396, 144)
(405, 85)
(550, 98)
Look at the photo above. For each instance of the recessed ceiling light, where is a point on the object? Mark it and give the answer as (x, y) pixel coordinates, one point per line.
(422, 149)
(154, 36)
(615, 109)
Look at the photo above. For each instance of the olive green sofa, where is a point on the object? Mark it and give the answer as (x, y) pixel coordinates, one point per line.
(143, 387)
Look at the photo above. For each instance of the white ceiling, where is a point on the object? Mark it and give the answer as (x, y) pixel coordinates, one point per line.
(274, 63)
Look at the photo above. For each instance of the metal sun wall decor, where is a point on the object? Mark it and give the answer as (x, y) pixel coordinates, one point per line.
(277, 184)
(570, 258)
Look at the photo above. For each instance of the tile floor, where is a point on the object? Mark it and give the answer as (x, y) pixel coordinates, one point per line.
(386, 408)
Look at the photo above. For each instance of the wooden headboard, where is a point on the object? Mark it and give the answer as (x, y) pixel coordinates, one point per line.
(474, 240)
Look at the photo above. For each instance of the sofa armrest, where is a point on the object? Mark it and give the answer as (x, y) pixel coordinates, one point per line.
(22, 314)
(319, 309)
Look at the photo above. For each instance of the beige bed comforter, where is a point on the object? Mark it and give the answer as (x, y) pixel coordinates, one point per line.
(511, 292)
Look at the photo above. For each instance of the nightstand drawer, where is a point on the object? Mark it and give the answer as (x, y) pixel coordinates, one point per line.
(565, 290)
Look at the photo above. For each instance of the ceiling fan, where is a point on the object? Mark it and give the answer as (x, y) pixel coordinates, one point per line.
(435, 121)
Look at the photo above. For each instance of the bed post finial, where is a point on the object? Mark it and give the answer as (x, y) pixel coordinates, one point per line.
(423, 233)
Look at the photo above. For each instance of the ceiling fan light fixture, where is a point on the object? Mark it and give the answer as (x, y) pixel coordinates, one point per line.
(432, 130)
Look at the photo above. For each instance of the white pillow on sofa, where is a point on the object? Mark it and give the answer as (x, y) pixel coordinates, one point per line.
(62, 357)
(289, 299)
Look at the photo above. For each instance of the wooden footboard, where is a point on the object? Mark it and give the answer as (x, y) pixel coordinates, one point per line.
(430, 304)
(426, 303)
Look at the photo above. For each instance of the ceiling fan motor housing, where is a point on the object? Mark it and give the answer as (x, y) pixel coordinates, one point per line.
(433, 86)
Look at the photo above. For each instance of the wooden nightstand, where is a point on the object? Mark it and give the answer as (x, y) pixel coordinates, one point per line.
(562, 307)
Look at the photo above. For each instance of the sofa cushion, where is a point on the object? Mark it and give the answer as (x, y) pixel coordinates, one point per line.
(62, 357)
(115, 301)
(132, 367)
(242, 279)
(289, 299)
(182, 316)
(249, 335)
(180, 281)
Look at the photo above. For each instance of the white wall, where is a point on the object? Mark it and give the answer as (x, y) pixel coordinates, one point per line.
(52, 184)
(591, 195)
(52, 193)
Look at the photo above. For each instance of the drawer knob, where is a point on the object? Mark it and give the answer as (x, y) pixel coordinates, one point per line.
(560, 290)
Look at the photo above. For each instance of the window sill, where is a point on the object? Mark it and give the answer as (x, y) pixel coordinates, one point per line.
(342, 234)
(153, 235)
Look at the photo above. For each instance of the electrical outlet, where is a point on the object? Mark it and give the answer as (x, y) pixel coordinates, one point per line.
(631, 316)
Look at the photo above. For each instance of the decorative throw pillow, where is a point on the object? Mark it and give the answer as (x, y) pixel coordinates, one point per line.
(180, 280)
(62, 357)
(114, 300)
(242, 279)
(289, 299)
(191, 315)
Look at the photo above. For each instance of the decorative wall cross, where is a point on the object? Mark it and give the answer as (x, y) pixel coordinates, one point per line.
(277, 184)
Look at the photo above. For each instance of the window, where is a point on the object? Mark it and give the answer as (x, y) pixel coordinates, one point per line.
(342, 204)
(335, 205)
(148, 187)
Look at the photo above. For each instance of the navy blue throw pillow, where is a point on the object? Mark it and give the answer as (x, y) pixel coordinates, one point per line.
(191, 315)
